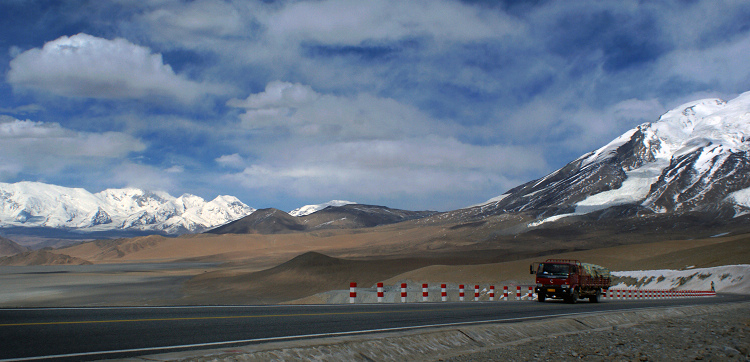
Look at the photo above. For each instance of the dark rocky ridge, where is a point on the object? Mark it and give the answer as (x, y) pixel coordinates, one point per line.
(352, 216)
(9, 247)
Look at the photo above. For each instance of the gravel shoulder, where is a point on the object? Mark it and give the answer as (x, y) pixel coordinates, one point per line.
(717, 336)
(711, 332)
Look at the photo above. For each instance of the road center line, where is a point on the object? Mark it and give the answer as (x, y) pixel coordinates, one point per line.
(223, 317)
(304, 336)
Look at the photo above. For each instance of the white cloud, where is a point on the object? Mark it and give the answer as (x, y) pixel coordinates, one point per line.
(364, 146)
(278, 94)
(723, 65)
(86, 66)
(142, 176)
(39, 147)
(175, 169)
(300, 110)
(351, 22)
(232, 161)
(416, 167)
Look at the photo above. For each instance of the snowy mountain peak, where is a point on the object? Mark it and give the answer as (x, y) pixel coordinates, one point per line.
(695, 157)
(35, 204)
(709, 121)
(309, 209)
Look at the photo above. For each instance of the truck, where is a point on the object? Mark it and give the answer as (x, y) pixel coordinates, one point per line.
(570, 280)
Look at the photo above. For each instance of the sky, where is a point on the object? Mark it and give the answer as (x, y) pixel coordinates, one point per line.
(425, 104)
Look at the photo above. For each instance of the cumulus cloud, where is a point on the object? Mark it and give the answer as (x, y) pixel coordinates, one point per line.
(45, 148)
(363, 145)
(377, 169)
(419, 97)
(232, 161)
(86, 66)
(142, 176)
(722, 64)
(298, 109)
(351, 22)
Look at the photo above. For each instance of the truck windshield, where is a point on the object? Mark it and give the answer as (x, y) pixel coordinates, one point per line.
(553, 270)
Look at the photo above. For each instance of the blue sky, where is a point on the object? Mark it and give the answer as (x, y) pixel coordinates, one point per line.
(429, 104)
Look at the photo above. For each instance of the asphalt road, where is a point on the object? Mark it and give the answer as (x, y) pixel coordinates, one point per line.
(97, 333)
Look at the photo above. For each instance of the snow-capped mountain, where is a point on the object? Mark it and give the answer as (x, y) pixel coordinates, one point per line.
(34, 204)
(696, 157)
(309, 209)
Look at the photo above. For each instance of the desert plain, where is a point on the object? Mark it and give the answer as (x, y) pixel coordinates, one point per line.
(300, 267)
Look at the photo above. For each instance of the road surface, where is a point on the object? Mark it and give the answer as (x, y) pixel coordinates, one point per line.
(97, 333)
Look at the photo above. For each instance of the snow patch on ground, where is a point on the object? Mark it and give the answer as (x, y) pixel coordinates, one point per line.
(551, 219)
(492, 200)
(726, 279)
(741, 197)
(634, 189)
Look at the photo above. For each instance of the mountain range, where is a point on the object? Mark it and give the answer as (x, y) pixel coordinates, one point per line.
(40, 205)
(695, 159)
(346, 216)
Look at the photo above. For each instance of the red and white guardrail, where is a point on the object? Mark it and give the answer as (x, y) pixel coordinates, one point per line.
(609, 294)
(636, 294)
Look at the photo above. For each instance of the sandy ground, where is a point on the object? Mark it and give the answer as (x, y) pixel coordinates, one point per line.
(200, 278)
(95, 285)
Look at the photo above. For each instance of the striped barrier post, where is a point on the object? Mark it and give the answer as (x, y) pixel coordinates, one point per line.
(476, 293)
(443, 293)
(424, 292)
(492, 293)
(352, 292)
(461, 292)
(380, 293)
(531, 293)
(518, 292)
(403, 292)
(505, 293)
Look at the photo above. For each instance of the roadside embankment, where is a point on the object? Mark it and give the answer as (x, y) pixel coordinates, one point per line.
(520, 339)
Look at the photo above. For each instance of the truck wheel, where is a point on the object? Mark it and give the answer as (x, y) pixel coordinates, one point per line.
(595, 298)
(541, 297)
(572, 298)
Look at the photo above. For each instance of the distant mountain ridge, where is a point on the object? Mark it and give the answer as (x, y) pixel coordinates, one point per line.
(309, 209)
(695, 158)
(40, 205)
(348, 216)
(9, 247)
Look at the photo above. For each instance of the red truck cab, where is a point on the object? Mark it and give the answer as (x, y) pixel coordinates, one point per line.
(570, 280)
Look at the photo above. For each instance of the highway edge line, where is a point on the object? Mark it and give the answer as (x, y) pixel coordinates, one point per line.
(315, 335)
